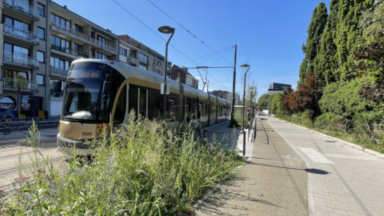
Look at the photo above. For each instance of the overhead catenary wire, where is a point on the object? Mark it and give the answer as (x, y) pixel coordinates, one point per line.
(188, 30)
(161, 38)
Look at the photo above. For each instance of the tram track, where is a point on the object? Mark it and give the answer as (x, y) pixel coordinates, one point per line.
(7, 171)
(27, 152)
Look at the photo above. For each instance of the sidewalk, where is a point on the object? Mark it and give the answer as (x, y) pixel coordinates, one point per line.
(272, 182)
(300, 172)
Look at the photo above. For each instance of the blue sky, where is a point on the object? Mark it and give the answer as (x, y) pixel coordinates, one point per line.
(269, 34)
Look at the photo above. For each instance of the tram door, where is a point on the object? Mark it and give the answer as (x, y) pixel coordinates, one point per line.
(143, 102)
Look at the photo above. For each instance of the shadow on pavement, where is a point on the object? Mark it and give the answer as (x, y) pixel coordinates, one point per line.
(314, 171)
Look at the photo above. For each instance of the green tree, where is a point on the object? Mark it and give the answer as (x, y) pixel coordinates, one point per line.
(312, 46)
(326, 61)
(348, 34)
(251, 94)
(263, 101)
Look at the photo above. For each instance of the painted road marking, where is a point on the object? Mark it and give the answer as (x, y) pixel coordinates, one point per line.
(351, 157)
(315, 156)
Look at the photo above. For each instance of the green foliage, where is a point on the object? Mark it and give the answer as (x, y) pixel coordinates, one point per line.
(263, 101)
(331, 122)
(343, 99)
(139, 170)
(251, 94)
(312, 46)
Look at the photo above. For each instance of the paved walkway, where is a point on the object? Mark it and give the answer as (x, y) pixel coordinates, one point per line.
(299, 172)
(344, 181)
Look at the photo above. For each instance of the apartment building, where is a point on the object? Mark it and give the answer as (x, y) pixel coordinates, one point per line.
(182, 74)
(39, 40)
(139, 55)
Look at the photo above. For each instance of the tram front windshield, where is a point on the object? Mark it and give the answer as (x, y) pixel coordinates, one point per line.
(82, 101)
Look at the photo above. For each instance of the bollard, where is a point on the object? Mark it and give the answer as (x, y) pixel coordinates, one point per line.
(244, 135)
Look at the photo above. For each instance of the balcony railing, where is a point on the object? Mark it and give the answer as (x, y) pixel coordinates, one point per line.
(106, 47)
(68, 30)
(21, 33)
(62, 72)
(11, 83)
(69, 51)
(20, 59)
(23, 7)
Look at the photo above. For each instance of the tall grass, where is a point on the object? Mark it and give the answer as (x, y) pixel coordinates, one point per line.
(140, 169)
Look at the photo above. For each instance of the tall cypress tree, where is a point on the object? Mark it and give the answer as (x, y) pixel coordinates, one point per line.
(326, 61)
(348, 34)
(312, 46)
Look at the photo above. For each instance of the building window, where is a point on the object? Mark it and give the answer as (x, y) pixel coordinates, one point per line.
(40, 56)
(157, 63)
(101, 41)
(13, 74)
(79, 49)
(41, 33)
(40, 79)
(124, 52)
(143, 67)
(78, 28)
(92, 54)
(15, 26)
(101, 55)
(60, 22)
(59, 44)
(143, 59)
(59, 63)
(12, 52)
(41, 9)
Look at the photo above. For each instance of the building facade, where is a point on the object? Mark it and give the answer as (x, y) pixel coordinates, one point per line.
(182, 74)
(39, 39)
(277, 88)
(137, 54)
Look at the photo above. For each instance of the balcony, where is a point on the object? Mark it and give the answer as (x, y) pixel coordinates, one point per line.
(20, 34)
(19, 59)
(23, 8)
(106, 47)
(68, 52)
(59, 71)
(71, 32)
(15, 84)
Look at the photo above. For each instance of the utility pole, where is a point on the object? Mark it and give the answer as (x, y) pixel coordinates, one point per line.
(234, 85)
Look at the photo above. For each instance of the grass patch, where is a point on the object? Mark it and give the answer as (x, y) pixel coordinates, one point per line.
(140, 169)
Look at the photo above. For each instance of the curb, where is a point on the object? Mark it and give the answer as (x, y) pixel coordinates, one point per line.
(353, 145)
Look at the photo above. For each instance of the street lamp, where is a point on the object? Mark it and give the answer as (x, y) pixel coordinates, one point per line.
(245, 75)
(166, 30)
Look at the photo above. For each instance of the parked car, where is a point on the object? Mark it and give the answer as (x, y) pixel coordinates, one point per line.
(6, 115)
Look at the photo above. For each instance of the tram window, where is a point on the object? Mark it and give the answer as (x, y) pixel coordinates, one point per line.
(120, 107)
(133, 99)
(188, 103)
(172, 107)
(143, 103)
(155, 102)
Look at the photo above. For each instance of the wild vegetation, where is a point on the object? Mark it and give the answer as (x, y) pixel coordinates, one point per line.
(341, 86)
(141, 169)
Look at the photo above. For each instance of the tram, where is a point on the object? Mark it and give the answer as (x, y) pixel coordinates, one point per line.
(97, 90)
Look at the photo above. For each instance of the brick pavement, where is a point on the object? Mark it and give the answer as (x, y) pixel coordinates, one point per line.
(345, 181)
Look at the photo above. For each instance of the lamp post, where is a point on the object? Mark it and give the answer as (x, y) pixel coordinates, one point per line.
(166, 30)
(245, 75)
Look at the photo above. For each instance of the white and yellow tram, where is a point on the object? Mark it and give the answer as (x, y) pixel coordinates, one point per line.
(97, 90)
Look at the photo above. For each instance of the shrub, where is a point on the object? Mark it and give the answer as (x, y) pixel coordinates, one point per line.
(139, 170)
